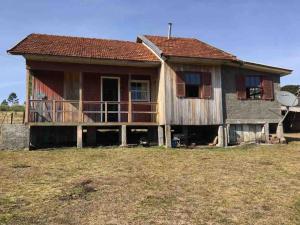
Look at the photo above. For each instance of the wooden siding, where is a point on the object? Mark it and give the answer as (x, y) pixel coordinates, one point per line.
(190, 111)
(48, 83)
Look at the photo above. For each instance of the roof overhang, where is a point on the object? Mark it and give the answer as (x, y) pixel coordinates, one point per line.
(83, 60)
(235, 63)
(265, 68)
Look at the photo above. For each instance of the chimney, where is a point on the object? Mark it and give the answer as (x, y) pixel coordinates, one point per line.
(170, 30)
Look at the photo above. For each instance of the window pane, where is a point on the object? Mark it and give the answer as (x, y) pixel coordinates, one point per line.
(192, 91)
(252, 81)
(139, 91)
(192, 78)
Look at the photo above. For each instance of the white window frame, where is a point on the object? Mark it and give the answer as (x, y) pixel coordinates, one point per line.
(148, 90)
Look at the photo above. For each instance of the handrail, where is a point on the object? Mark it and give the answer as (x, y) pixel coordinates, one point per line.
(92, 111)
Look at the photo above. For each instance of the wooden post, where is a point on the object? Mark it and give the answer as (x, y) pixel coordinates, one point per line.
(79, 136)
(267, 132)
(123, 135)
(105, 115)
(160, 135)
(53, 111)
(11, 118)
(168, 141)
(80, 98)
(221, 136)
(27, 106)
(129, 100)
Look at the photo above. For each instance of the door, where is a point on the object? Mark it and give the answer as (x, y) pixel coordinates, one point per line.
(110, 94)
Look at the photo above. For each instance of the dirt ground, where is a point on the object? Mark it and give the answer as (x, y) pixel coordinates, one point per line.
(241, 185)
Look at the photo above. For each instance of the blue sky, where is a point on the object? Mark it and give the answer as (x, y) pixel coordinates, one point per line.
(258, 30)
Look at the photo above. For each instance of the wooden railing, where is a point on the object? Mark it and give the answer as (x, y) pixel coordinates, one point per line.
(69, 111)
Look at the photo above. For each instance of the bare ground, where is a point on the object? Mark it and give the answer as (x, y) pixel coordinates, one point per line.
(242, 185)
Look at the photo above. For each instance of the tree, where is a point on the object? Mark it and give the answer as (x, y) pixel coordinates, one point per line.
(4, 102)
(13, 99)
(291, 88)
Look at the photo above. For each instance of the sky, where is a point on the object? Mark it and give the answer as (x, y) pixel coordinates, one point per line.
(262, 31)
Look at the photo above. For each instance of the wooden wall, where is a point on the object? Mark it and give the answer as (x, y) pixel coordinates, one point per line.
(189, 111)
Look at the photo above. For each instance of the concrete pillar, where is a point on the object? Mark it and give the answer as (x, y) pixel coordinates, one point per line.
(123, 135)
(221, 136)
(160, 135)
(280, 133)
(267, 132)
(226, 134)
(79, 136)
(91, 136)
(168, 141)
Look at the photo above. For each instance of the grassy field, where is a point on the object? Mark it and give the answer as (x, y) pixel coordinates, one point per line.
(7, 117)
(244, 185)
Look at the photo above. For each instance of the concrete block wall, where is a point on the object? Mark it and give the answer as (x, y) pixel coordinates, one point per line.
(14, 136)
(247, 111)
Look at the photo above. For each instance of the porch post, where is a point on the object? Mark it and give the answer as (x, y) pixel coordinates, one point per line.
(27, 106)
(79, 136)
(80, 116)
(160, 135)
(168, 136)
(129, 100)
(123, 136)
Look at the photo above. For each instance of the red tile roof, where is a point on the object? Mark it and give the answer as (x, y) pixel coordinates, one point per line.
(188, 47)
(42, 44)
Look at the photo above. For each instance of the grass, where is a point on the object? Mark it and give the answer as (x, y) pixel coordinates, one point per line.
(242, 185)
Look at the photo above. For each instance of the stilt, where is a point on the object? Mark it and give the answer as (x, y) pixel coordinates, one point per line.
(221, 136)
(267, 132)
(280, 133)
(79, 136)
(123, 136)
(226, 135)
(91, 136)
(160, 135)
(168, 136)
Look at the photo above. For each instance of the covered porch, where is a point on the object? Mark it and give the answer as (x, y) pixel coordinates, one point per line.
(83, 94)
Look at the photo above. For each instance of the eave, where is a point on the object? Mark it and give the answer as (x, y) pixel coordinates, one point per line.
(84, 60)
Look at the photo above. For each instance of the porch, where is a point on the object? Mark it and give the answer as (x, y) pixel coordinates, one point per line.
(90, 95)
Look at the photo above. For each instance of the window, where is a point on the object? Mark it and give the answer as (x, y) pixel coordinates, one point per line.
(192, 85)
(253, 87)
(140, 90)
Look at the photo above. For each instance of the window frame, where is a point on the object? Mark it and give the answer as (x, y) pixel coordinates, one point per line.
(260, 87)
(148, 90)
(195, 85)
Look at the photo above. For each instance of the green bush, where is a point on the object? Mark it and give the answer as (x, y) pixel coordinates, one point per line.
(13, 108)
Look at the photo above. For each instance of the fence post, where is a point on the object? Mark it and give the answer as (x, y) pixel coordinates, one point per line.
(11, 117)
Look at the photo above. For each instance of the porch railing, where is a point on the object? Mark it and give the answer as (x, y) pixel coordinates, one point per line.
(69, 111)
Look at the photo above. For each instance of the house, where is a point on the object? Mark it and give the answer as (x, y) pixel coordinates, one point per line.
(88, 91)
(292, 121)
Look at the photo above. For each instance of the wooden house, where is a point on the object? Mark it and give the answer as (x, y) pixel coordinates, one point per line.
(89, 91)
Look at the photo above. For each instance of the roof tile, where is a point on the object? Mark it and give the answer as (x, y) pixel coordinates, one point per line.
(188, 47)
(43, 44)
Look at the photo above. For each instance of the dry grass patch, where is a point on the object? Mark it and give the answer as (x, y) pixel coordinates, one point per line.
(249, 185)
